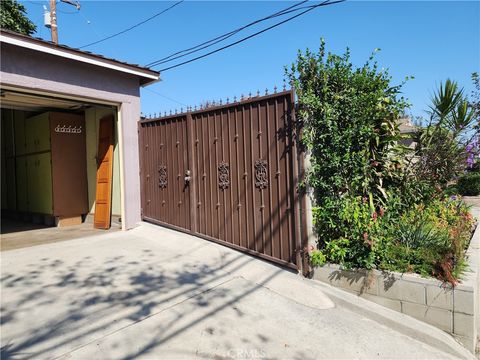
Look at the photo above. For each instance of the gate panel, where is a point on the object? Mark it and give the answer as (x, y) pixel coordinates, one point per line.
(165, 195)
(244, 170)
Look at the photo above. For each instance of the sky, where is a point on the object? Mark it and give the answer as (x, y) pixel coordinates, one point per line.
(429, 40)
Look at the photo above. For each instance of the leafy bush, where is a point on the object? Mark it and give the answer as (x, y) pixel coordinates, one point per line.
(350, 124)
(430, 240)
(469, 184)
(448, 144)
(377, 204)
(317, 258)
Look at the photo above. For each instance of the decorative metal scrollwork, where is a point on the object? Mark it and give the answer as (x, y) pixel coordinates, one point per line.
(162, 176)
(261, 180)
(223, 175)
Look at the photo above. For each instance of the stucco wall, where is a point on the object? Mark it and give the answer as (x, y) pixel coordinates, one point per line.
(35, 71)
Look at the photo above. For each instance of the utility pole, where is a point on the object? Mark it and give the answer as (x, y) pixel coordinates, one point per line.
(50, 17)
(53, 21)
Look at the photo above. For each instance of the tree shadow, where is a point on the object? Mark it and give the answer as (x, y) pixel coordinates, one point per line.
(60, 306)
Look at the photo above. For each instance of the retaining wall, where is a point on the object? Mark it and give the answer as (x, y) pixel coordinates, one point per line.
(454, 310)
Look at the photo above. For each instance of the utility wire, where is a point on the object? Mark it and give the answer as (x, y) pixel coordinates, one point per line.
(222, 37)
(324, 3)
(133, 26)
(164, 96)
(160, 61)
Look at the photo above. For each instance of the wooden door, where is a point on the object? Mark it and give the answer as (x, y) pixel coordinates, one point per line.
(103, 198)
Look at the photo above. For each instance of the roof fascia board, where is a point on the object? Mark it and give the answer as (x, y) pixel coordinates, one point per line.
(77, 57)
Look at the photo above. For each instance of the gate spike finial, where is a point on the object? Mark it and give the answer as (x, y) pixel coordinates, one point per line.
(170, 111)
(258, 92)
(275, 89)
(241, 97)
(266, 91)
(195, 107)
(228, 100)
(181, 110)
(155, 115)
(249, 94)
(235, 98)
(284, 85)
(220, 101)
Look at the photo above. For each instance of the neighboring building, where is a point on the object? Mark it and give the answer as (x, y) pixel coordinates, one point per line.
(59, 106)
(408, 130)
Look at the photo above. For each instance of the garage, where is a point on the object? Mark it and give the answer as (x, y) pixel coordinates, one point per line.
(69, 141)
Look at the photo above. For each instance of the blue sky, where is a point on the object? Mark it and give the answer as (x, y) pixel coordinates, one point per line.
(430, 40)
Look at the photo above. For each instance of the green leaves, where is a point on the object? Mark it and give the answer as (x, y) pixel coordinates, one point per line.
(12, 17)
(445, 99)
(349, 115)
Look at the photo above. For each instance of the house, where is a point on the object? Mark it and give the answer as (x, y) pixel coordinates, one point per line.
(69, 133)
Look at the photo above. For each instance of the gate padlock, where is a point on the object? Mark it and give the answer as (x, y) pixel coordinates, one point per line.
(187, 177)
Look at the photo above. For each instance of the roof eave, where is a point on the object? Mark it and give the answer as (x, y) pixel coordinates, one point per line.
(147, 76)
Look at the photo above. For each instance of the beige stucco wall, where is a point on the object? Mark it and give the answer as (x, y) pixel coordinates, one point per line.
(92, 121)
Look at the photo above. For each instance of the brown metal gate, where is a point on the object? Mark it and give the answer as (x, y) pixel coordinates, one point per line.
(228, 174)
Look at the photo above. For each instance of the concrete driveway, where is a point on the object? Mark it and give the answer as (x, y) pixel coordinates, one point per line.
(154, 293)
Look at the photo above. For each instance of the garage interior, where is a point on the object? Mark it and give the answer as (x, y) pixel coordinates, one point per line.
(50, 166)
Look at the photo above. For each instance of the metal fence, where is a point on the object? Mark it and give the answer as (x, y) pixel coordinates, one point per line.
(228, 173)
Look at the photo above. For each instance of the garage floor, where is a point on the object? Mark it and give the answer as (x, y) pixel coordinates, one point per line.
(19, 234)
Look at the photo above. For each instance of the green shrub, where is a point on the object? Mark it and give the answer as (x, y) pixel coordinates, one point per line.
(430, 240)
(378, 204)
(469, 184)
(317, 258)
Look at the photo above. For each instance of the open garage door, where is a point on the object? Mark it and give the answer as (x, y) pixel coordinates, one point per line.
(49, 146)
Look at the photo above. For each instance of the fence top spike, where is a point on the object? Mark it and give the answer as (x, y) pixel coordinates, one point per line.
(284, 86)
(220, 101)
(258, 92)
(250, 94)
(266, 91)
(181, 110)
(228, 100)
(275, 89)
(170, 112)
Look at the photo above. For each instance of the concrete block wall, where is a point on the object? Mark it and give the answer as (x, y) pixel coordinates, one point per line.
(455, 310)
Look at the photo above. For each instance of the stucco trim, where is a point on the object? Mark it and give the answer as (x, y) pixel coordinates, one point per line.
(86, 58)
(122, 165)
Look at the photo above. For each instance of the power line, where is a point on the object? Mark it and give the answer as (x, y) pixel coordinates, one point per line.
(164, 96)
(222, 37)
(133, 26)
(324, 3)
